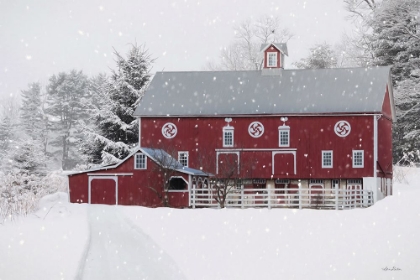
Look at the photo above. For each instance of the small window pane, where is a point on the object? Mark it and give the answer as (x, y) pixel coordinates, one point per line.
(228, 138)
(284, 138)
(272, 59)
(327, 159)
(357, 159)
(183, 158)
(140, 161)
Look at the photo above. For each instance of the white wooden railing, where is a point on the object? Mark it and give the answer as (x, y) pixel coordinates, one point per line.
(272, 198)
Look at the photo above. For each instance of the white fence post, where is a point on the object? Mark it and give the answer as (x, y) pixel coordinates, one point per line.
(300, 196)
(193, 195)
(336, 199)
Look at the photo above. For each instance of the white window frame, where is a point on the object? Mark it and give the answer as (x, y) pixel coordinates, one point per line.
(226, 130)
(355, 164)
(284, 129)
(135, 161)
(324, 153)
(275, 59)
(181, 159)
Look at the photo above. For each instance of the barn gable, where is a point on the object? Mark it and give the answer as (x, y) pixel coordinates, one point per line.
(136, 180)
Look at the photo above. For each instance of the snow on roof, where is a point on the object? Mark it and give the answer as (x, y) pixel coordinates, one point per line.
(159, 156)
(307, 91)
(280, 46)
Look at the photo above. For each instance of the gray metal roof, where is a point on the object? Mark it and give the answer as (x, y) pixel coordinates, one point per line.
(166, 160)
(308, 91)
(157, 155)
(280, 46)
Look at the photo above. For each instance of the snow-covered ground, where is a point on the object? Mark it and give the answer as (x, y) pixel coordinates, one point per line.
(381, 242)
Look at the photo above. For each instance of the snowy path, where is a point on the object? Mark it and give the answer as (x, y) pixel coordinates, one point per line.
(120, 250)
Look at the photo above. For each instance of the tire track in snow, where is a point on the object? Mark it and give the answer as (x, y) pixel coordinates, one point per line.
(119, 250)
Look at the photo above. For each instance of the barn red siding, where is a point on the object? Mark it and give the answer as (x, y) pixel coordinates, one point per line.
(272, 49)
(308, 137)
(78, 188)
(133, 189)
(385, 147)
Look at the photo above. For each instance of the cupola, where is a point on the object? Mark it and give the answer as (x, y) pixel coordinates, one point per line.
(274, 55)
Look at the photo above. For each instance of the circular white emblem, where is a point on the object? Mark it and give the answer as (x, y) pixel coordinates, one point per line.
(169, 130)
(256, 129)
(342, 128)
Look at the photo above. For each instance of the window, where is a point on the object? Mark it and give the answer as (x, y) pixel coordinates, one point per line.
(358, 159)
(335, 183)
(327, 159)
(284, 135)
(354, 181)
(177, 184)
(183, 158)
(316, 181)
(282, 181)
(140, 161)
(271, 59)
(228, 136)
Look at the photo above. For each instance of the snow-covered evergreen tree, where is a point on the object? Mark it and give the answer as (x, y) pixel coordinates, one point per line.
(395, 41)
(321, 56)
(67, 102)
(91, 147)
(6, 135)
(390, 37)
(25, 156)
(32, 117)
(117, 129)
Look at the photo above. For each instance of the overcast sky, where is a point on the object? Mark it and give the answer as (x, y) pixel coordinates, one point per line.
(39, 38)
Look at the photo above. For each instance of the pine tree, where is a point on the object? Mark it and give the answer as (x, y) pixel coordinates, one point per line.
(395, 41)
(6, 135)
(321, 56)
(118, 129)
(26, 156)
(67, 103)
(32, 116)
(91, 145)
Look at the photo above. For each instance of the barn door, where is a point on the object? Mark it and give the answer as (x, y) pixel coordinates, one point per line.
(103, 190)
(284, 164)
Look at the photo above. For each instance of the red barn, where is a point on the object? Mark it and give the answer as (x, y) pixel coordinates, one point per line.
(317, 137)
(139, 179)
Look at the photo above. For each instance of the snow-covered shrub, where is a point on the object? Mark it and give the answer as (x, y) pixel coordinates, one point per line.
(20, 192)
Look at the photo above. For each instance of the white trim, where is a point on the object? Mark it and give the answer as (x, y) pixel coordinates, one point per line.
(110, 174)
(91, 178)
(275, 59)
(329, 114)
(283, 152)
(188, 157)
(225, 130)
(322, 158)
(145, 161)
(256, 150)
(375, 144)
(363, 159)
(284, 128)
(227, 152)
(170, 178)
(189, 189)
(139, 132)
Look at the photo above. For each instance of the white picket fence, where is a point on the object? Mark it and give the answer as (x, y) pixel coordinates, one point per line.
(272, 198)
